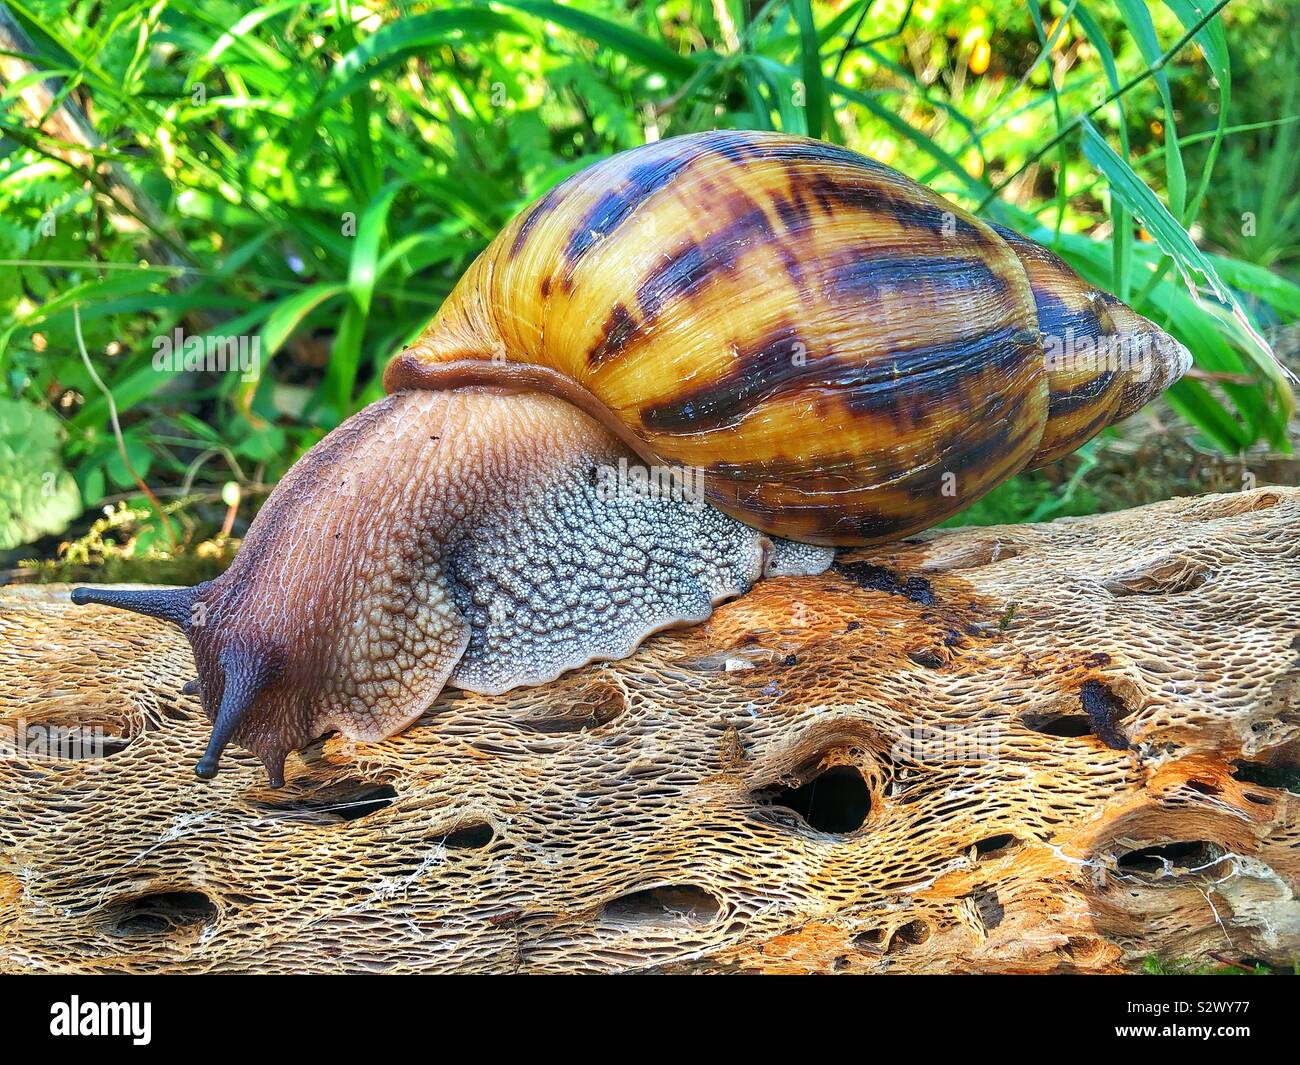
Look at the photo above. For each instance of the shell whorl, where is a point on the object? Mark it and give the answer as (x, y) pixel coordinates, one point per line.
(1104, 360)
(848, 356)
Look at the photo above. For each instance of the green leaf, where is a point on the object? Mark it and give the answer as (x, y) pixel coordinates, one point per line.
(262, 444)
(648, 53)
(1138, 19)
(402, 37)
(38, 497)
(141, 460)
(1214, 44)
(90, 479)
(1195, 267)
(365, 254)
(814, 82)
(1194, 402)
(1121, 223)
(335, 393)
(289, 313)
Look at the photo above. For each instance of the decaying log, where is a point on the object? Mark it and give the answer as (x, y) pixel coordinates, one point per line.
(1025, 748)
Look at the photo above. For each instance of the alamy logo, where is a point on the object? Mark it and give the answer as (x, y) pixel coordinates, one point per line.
(62, 742)
(133, 1019)
(682, 484)
(1132, 353)
(178, 352)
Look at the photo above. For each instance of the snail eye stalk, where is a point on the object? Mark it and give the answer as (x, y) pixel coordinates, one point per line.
(167, 604)
(245, 672)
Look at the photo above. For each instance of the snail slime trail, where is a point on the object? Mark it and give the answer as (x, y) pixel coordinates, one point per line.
(817, 350)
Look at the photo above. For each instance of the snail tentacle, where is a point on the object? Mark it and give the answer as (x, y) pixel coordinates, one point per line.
(167, 604)
(244, 673)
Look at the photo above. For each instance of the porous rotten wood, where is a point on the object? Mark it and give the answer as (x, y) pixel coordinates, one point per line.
(1056, 740)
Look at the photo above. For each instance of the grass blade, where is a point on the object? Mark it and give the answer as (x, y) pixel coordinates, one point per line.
(1195, 267)
(814, 84)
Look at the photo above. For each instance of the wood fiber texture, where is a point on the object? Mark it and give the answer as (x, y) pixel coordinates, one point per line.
(1023, 748)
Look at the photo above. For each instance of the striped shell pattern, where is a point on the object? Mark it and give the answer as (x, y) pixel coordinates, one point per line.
(848, 356)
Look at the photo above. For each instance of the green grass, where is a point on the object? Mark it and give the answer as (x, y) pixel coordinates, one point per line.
(1154, 966)
(318, 175)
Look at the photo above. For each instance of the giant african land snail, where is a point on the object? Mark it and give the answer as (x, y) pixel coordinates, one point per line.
(847, 356)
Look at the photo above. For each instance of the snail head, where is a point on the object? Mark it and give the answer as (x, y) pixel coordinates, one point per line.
(333, 614)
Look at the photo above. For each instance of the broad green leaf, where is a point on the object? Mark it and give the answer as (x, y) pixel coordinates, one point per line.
(38, 497)
(370, 231)
(290, 311)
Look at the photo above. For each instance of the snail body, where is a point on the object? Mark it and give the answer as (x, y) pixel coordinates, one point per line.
(846, 356)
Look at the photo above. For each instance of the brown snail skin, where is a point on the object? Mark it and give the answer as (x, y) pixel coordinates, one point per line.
(846, 356)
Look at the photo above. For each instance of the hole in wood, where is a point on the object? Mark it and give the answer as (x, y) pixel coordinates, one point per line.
(471, 836)
(1165, 576)
(59, 739)
(349, 800)
(1095, 711)
(912, 934)
(927, 657)
(671, 905)
(589, 706)
(1064, 723)
(1234, 503)
(1169, 859)
(1083, 950)
(159, 914)
(996, 846)
(990, 908)
(837, 800)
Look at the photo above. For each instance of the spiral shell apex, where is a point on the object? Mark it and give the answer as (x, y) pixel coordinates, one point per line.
(849, 357)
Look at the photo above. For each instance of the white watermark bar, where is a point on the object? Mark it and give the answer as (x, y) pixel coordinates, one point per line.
(51, 742)
(681, 484)
(1131, 353)
(178, 352)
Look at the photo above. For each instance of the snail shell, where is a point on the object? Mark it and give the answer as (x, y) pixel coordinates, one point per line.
(849, 357)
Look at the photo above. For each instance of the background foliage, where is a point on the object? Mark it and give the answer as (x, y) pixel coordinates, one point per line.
(318, 174)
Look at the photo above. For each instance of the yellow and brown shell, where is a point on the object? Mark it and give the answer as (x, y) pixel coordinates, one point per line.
(848, 356)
